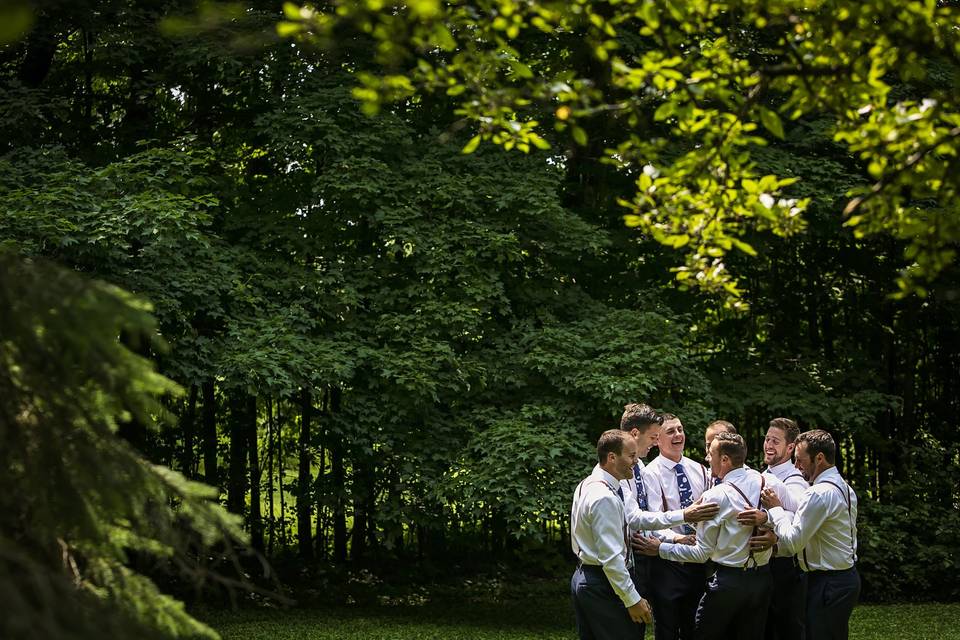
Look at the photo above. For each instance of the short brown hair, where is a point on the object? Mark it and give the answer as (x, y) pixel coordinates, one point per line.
(667, 417)
(733, 446)
(611, 441)
(790, 429)
(639, 416)
(723, 424)
(819, 441)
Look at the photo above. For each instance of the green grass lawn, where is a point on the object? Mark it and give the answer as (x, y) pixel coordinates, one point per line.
(522, 620)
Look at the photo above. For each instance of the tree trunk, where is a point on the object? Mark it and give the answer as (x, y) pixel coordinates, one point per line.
(237, 480)
(256, 522)
(271, 520)
(187, 426)
(280, 468)
(304, 503)
(337, 482)
(210, 474)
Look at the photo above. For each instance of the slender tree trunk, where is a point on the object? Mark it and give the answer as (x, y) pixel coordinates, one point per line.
(187, 426)
(304, 503)
(210, 474)
(320, 536)
(237, 480)
(360, 511)
(280, 469)
(256, 521)
(337, 483)
(271, 519)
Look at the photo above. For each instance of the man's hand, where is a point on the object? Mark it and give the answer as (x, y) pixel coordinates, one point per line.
(752, 518)
(763, 541)
(640, 612)
(769, 499)
(648, 546)
(690, 538)
(700, 510)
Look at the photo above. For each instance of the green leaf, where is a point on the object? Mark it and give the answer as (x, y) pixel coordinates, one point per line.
(471, 146)
(771, 122)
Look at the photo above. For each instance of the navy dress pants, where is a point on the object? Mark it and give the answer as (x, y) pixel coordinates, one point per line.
(600, 612)
(788, 606)
(734, 606)
(831, 597)
(677, 589)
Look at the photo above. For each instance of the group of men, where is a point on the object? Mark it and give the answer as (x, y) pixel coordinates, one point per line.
(715, 550)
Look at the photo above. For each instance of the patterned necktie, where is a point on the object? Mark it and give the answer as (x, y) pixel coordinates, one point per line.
(686, 492)
(627, 551)
(717, 481)
(641, 490)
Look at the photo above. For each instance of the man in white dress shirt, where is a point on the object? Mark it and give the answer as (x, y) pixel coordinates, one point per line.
(605, 600)
(644, 424)
(738, 593)
(673, 481)
(824, 534)
(785, 620)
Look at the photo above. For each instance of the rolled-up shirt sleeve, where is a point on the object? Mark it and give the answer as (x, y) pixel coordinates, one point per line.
(607, 524)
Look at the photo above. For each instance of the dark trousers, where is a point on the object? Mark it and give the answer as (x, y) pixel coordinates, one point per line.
(640, 573)
(677, 589)
(831, 597)
(600, 612)
(734, 605)
(788, 606)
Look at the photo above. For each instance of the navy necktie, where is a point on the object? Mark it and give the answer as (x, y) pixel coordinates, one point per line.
(641, 490)
(620, 493)
(686, 492)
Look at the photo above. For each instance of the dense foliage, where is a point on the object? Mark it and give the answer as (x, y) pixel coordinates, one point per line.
(391, 352)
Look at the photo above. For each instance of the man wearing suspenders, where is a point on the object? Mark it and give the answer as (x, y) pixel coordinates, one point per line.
(673, 481)
(605, 600)
(824, 533)
(738, 593)
(785, 620)
(643, 423)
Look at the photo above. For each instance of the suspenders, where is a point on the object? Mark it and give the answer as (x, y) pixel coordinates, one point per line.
(763, 482)
(626, 538)
(846, 495)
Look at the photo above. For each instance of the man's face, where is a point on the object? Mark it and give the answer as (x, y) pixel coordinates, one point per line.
(805, 464)
(622, 467)
(775, 448)
(715, 459)
(672, 439)
(646, 440)
(708, 437)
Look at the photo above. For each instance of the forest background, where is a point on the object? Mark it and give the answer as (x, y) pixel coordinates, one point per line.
(390, 345)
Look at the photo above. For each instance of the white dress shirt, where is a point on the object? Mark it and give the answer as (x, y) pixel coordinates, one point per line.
(823, 531)
(723, 539)
(789, 475)
(648, 521)
(789, 500)
(598, 531)
(660, 480)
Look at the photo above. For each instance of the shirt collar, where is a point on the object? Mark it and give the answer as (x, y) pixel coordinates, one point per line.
(781, 467)
(667, 462)
(735, 474)
(830, 474)
(606, 477)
